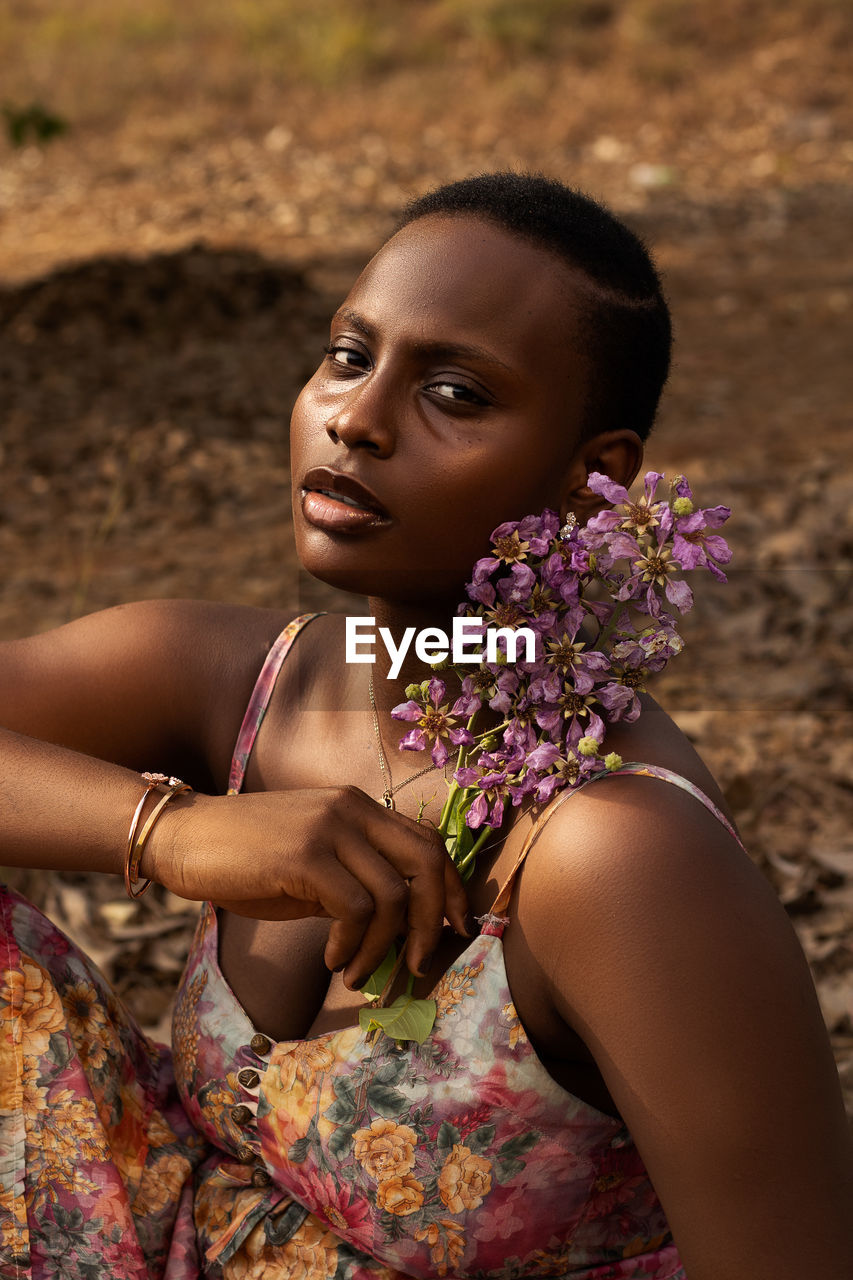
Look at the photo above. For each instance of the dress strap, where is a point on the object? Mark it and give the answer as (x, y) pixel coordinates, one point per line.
(261, 694)
(497, 916)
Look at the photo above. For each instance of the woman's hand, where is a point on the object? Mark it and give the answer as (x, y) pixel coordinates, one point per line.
(167, 682)
(333, 852)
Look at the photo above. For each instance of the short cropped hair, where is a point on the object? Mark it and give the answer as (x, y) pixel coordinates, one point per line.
(627, 334)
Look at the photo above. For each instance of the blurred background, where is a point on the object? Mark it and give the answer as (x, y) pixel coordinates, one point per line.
(186, 192)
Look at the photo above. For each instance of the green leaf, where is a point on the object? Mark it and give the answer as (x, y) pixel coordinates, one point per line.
(520, 1145)
(344, 1088)
(506, 1169)
(406, 1019)
(341, 1141)
(448, 1135)
(393, 1069)
(388, 1102)
(298, 1151)
(60, 1049)
(375, 984)
(342, 1111)
(481, 1138)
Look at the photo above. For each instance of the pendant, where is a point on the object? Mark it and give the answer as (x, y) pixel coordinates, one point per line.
(388, 799)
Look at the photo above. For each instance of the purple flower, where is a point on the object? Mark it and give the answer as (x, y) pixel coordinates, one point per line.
(539, 531)
(493, 684)
(435, 723)
(563, 771)
(488, 805)
(407, 711)
(517, 586)
(520, 733)
(508, 544)
(599, 605)
(694, 548)
(541, 758)
(620, 700)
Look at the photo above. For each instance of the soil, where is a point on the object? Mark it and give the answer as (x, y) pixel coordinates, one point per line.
(168, 266)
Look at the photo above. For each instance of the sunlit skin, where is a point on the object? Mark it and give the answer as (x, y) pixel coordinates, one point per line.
(454, 389)
(650, 963)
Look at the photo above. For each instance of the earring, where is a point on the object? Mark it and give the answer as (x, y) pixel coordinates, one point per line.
(569, 526)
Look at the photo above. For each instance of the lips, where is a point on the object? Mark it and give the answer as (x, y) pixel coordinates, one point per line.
(337, 502)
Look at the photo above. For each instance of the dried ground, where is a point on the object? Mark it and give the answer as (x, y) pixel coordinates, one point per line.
(168, 265)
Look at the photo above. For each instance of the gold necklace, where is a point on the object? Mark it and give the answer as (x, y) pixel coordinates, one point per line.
(389, 791)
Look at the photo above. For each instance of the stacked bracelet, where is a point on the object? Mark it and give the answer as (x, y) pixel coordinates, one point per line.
(136, 839)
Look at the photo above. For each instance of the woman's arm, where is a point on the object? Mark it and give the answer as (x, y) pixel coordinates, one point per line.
(144, 687)
(156, 685)
(664, 948)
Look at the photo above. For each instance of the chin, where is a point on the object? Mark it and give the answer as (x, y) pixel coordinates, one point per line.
(355, 566)
(409, 586)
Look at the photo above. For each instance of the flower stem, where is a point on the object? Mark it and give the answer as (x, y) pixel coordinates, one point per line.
(448, 808)
(473, 851)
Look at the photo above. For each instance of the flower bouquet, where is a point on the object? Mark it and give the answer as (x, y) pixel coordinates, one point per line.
(597, 598)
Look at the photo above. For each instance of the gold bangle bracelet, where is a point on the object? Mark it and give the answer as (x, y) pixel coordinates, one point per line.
(136, 843)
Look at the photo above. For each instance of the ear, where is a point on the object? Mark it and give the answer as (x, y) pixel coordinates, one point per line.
(618, 454)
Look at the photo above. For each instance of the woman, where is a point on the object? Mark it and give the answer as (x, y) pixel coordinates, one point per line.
(634, 1027)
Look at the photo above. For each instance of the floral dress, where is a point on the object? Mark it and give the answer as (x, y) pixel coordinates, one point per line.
(340, 1156)
(347, 1156)
(96, 1151)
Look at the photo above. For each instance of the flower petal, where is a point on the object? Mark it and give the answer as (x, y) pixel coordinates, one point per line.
(609, 489)
(407, 711)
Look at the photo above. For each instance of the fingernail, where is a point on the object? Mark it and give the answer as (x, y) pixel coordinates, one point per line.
(426, 964)
(339, 968)
(359, 982)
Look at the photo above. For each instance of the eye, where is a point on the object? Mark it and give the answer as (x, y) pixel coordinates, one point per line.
(346, 357)
(458, 392)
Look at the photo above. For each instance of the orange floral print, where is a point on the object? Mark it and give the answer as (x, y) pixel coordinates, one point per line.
(400, 1195)
(386, 1149)
(446, 1241)
(312, 1057)
(311, 1253)
(33, 1094)
(75, 1132)
(85, 1016)
(465, 1179)
(79, 1083)
(511, 1020)
(29, 994)
(162, 1183)
(453, 987)
(185, 1026)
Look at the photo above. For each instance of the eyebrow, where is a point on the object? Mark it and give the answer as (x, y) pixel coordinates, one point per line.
(439, 350)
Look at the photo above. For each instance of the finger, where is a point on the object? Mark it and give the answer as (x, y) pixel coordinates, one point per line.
(389, 893)
(419, 854)
(326, 889)
(272, 908)
(456, 905)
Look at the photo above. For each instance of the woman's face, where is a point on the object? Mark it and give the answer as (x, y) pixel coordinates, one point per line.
(450, 399)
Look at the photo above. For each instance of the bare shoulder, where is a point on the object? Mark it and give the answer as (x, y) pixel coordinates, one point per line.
(663, 947)
(638, 878)
(154, 684)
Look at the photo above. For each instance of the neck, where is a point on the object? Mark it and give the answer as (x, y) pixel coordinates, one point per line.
(394, 669)
(399, 632)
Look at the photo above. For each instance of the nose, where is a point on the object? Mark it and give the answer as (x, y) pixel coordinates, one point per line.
(364, 417)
